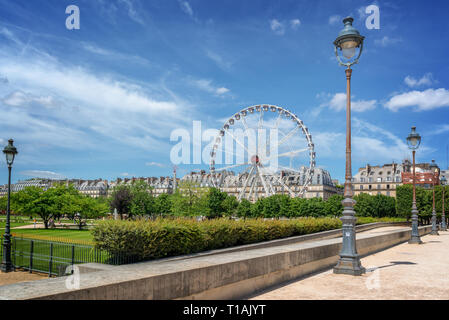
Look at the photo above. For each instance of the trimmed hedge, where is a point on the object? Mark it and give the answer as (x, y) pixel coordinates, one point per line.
(145, 240)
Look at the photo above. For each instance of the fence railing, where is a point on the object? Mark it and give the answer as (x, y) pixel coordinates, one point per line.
(54, 258)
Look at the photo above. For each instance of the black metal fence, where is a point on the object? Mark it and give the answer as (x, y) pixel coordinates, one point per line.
(55, 258)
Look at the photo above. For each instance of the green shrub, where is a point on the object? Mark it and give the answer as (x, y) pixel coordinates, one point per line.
(145, 240)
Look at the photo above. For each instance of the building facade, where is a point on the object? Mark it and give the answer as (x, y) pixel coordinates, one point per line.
(385, 179)
(322, 185)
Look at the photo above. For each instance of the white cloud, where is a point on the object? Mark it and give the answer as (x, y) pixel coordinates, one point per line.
(277, 27)
(439, 130)
(295, 23)
(22, 99)
(338, 103)
(386, 41)
(425, 80)
(206, 85)
(219, 60)
(132, 12)
(114, 55)
(185, 6)
(89, 109)
(43, 174)
(155, 164)
(335, 19)
(422, 100)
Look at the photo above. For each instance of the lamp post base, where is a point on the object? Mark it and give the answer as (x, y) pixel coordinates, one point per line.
(415, 240)
(350, 266)
(6, 267)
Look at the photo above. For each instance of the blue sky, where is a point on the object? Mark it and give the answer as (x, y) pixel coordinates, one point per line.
(102, 101)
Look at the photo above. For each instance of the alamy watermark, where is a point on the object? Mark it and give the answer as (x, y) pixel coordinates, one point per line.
(232, 146)
(73, 20)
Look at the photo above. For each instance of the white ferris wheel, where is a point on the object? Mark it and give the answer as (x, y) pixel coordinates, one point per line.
(264, 145)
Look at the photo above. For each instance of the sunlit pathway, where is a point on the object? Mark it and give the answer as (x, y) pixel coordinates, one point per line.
(402, 272)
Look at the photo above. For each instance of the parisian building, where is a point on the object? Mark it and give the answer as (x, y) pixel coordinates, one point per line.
(385, 179)
(321, 186)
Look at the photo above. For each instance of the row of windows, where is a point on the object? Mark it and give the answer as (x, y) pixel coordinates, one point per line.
(379, 179)
(380, 172)
(371, 187)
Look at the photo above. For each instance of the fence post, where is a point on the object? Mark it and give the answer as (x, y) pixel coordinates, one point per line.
(73, 256)
(31, 256)
(51, 259)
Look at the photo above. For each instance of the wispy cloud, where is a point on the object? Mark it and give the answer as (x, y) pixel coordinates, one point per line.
(42, 174)
(338, 103)
(133, 13)
(221, 62)
(335, 19)
(155, 164)
(423, 100)
(277, 27)
(295, 23)
(206, 85)
(114, 54)
(386, 41)
(425, 80)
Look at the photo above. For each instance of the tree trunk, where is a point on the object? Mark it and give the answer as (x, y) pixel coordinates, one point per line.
(46, 224)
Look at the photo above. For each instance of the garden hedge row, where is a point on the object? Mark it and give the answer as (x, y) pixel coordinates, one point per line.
(145, 240)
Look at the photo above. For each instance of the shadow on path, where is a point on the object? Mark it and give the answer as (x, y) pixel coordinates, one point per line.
(393, 263)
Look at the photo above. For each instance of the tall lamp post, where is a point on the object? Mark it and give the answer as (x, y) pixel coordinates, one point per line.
(10, 152)
(434, 170)
(348, 40)
(443, 214)
(413, 141)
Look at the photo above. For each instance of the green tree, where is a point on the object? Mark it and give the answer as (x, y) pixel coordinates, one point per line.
(163, 204)
(244, 208)
(333, 205)
(121, 200)
(214, 203)
(142, 201)
(296, 207)
(257, 209)
(230, 205)
(84, 208)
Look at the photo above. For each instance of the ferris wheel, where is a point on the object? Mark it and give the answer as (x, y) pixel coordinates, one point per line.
(265, 145)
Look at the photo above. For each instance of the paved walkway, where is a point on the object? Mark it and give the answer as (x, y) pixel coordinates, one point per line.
(401, 272)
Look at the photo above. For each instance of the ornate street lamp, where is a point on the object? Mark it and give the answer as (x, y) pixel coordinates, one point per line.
(348, 40)
(434, 169)
(413, 141)
(443, 215)
(10, 152)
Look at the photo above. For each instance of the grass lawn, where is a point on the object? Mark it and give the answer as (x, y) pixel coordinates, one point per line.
(63, 235)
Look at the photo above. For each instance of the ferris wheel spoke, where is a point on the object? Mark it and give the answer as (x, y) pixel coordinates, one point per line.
(243, 191)
(233, 166)
(290, 169)
(245, 125)
(278, 120)
(288, 136)
(281, 182)
(238, 141)
(260, 119)
(267, 192)
(253, 183)
(286, 154)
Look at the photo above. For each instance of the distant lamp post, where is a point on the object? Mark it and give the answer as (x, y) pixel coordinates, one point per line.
(443, 214)
(10, 152)
(413, 141)
(348, 40)
(434, 169)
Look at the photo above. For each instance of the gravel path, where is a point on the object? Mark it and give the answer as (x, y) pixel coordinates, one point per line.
(19, 276)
